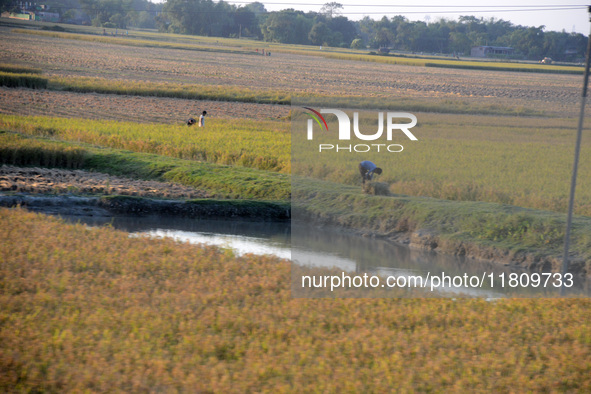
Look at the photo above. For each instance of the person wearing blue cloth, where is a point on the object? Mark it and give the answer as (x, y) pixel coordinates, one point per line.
(367, 169)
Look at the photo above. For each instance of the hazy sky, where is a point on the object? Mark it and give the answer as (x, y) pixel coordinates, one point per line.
(554, 14)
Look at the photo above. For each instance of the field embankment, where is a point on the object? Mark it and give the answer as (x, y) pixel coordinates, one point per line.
(511, 235)
(207, 208)
(31, 81)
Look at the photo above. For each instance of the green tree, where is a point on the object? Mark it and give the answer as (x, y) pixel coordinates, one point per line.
(280, 27)
(358, 44)
(343, 31)
(256, 7)
(320, 34)
(107, 11)
(383, 38)
(331, 9)
(247, 22)
(199, 17)
(459, 42)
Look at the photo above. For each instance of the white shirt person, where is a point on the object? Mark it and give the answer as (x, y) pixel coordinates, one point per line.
(202, 119)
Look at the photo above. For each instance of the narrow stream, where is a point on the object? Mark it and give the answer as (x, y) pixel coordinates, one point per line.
(321, 248)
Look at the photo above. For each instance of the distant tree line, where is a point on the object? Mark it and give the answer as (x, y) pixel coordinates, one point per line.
(327, 27)
(100, 13)
(324, 28)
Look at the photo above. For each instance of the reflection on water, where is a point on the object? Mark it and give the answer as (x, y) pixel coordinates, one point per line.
(313, 247)
(239, 243)
(316, 247)
(241, 236)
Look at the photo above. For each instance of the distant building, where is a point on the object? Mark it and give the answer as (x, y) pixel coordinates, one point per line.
(486, 51)
(33, 12)
(46, 16)
(17, 15)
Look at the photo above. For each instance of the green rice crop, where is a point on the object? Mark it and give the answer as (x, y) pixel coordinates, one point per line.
(262, 145)
(13, 80)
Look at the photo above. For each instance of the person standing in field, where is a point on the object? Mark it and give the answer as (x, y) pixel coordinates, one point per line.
(202, 119)
(367, 169)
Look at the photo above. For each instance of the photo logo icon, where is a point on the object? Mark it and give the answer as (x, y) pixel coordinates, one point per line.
(345, 124)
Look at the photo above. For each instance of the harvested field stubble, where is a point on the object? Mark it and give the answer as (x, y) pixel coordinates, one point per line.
(129, 108)
(292, 74)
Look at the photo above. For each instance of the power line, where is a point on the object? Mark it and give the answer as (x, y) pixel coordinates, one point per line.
(419, 6)
(465, 11)
(563, 8)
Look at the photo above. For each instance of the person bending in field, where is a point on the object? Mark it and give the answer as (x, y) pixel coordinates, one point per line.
(202, 119)
(191, 122)
(367, 169)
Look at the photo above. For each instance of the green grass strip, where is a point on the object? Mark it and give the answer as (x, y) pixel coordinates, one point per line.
(13, 80)
(223, 181)
(268, 96)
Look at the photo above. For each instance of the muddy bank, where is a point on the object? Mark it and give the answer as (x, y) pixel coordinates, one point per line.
(431, 241)
(530, 261)
(124, 205)
(59, 181)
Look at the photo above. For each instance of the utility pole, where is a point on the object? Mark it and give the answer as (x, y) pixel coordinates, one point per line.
(573, 183)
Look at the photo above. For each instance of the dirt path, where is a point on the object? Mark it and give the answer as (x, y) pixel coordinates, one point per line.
(56, 181)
